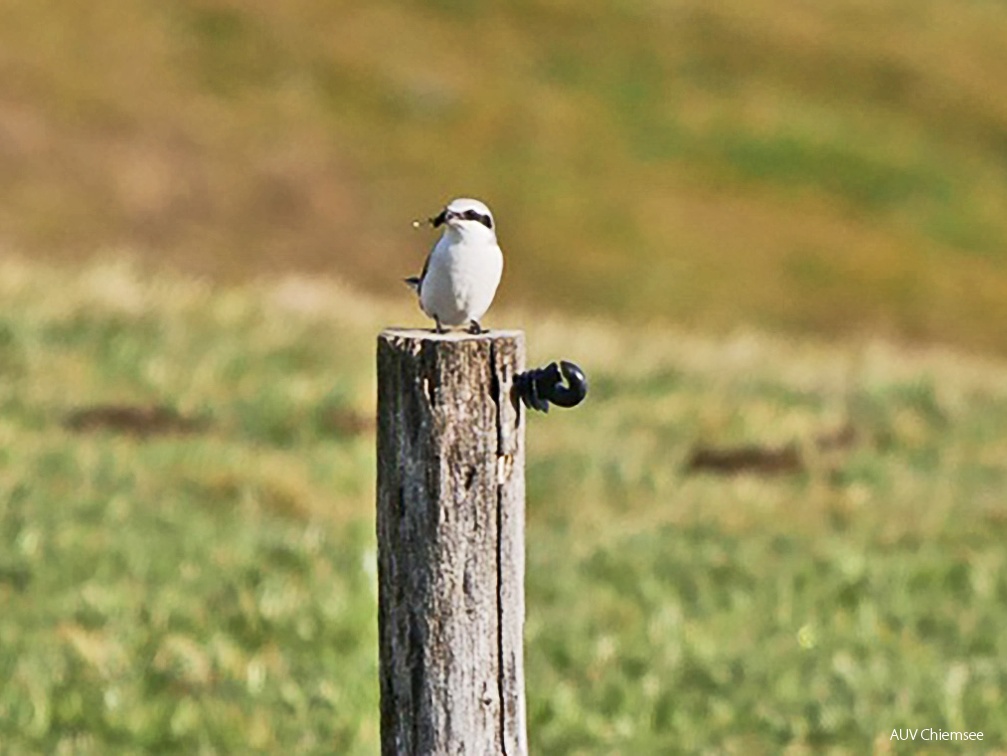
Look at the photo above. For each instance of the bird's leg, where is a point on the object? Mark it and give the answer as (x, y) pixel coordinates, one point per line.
(440, 328)
(475, 328)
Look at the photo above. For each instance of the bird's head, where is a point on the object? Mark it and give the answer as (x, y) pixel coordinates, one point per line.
(466, 217)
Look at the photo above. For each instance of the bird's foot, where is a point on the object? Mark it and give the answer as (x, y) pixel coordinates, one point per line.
(439, 328)
(475, 328)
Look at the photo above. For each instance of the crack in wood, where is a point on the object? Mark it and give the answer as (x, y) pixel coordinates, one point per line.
(498, 488)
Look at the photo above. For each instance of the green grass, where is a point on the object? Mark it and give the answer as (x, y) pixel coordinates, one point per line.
(214, 591)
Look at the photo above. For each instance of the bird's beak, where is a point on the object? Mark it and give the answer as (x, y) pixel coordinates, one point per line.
(440, 220)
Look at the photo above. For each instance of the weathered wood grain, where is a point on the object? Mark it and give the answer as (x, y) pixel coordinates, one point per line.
(450, 521)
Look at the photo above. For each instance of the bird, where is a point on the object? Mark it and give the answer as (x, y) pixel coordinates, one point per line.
(462, 271)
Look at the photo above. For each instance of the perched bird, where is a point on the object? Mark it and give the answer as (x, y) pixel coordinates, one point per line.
(462, 271)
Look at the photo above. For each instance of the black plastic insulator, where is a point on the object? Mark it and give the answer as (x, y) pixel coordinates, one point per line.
(539, 387)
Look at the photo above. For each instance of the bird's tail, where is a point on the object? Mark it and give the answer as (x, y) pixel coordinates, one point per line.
(413, 282)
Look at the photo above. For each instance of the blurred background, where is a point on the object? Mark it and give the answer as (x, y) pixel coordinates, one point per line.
(830, 168)
(773, 232)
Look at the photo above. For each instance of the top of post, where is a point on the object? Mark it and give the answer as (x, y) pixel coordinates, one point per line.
(427, 334)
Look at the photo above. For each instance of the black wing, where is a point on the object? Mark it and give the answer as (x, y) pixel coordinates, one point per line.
(415, 282)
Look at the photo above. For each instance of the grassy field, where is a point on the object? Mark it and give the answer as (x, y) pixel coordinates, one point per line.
(816, 167)
(201, 579)
(774, 225)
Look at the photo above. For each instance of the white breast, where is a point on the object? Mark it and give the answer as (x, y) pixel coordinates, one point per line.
(461, 279)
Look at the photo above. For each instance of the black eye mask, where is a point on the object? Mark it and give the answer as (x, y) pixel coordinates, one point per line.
(473, 215)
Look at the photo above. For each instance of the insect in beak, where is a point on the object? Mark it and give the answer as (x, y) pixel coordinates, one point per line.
(440, 220)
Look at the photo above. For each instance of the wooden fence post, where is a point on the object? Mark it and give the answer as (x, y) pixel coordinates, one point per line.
(450, 521)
